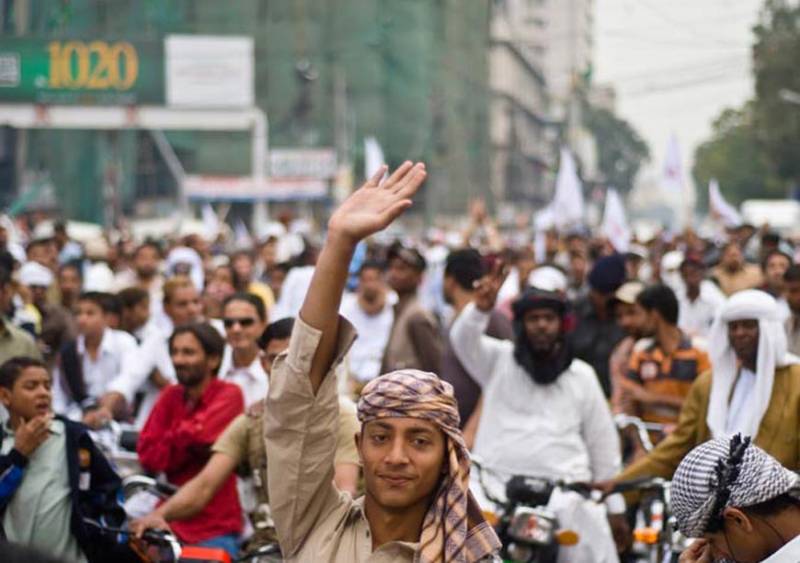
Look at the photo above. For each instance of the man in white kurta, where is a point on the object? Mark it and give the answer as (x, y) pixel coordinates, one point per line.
(558, 430)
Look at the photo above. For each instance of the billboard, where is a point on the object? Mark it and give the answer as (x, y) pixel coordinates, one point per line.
(303, 163)
(244, 188)
(209, 71)
(81, 71)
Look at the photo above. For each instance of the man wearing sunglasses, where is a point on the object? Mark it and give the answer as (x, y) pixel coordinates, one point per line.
(245, 318)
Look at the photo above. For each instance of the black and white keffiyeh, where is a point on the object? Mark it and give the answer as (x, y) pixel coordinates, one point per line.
(722, 473)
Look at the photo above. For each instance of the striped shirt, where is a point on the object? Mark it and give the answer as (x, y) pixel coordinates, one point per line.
(665, 374)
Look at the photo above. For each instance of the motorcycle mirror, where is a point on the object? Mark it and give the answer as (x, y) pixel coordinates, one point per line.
(567, 538)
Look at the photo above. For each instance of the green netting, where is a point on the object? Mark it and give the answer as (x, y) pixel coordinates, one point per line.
(415, 73)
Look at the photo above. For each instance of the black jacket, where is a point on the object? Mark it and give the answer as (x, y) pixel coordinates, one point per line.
(98, 501)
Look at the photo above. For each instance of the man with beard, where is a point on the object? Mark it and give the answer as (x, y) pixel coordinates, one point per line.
(544, 412)
(733, 273)
(145, 275)
(415, 341)
(185, 422)
(753, 388)
(596, 332)
(632, 319)
(371, 312)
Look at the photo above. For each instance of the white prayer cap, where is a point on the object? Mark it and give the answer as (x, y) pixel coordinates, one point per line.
(34, 274)
(548, 278)
(99, 277)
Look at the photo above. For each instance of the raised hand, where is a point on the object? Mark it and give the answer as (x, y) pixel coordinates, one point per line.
(375, 205)
(487, 288)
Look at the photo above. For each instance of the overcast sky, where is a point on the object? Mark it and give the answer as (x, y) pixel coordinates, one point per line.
(675, 64)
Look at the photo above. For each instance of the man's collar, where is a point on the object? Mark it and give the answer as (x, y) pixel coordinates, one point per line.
(104, 346)
(255, 370)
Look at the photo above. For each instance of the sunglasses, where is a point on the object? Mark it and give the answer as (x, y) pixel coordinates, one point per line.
(245, 322)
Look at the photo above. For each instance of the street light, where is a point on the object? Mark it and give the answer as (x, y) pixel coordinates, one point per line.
(789, 96)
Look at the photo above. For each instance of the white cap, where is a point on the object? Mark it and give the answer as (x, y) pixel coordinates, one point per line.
(672, 260)
(99, 277)
(548, 278)
(43, 230)
(33, 273)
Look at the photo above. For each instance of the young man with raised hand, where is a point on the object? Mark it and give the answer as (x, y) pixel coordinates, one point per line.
(417, 505)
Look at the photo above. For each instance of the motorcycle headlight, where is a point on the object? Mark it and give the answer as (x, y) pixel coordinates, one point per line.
(532, 526)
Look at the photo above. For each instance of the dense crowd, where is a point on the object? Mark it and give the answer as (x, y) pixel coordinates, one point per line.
(536, 341)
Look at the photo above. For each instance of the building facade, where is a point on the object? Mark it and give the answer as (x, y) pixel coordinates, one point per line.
(328, 73)
(522, 131)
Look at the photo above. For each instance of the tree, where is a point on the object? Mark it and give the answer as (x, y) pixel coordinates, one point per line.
(734, 156)
(775, 57)
(620, 150)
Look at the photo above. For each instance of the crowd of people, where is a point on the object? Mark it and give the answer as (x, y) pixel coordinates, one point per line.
(241, 370)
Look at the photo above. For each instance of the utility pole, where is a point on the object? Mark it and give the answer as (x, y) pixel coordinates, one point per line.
(341, 132)
(21, 27)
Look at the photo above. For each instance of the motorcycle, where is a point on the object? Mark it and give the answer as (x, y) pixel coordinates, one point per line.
(141, 493)
(529, 532)
(161, 546)
(117, 441)
(656, 538)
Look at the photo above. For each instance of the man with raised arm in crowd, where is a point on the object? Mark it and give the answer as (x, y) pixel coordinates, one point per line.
(417, 505)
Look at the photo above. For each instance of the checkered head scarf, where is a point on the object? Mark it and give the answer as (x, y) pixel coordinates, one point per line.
(454, 529)
(725, 473)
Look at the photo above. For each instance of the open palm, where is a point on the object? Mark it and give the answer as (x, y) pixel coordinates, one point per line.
(375, 205)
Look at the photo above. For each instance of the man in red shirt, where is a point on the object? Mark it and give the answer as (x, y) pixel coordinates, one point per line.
(185, 422)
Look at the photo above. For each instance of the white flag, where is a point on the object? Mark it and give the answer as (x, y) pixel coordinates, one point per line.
(242, 238)
(720, 208)
(544, 221)
(672, 180)
(680, 193)
(615, 223)
(373, 157)
(567, 206)
(211, 226)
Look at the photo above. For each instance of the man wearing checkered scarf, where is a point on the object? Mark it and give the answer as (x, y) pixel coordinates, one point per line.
(742, 504)
(417, 507)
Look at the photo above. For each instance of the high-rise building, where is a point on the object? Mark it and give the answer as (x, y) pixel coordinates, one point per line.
(566, 48)
(522, 132)
(567, 54)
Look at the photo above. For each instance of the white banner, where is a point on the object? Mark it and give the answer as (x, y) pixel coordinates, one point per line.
(303, 163)
(205, 71)
(243, 188)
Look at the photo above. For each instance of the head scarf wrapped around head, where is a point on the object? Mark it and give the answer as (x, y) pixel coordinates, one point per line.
(772, 353)
(725, 473)
(182, 257)
(454, 529)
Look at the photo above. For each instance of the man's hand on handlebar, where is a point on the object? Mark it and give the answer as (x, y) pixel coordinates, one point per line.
(605, 487)
(152, 521)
